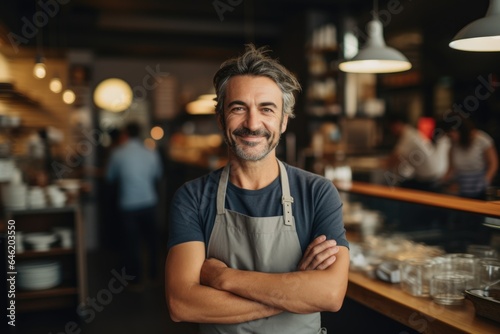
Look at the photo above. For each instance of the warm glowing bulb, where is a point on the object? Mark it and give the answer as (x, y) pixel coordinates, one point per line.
(157, 133)
(68, 96)
(55, 85)
(39, 70)
(113, 95)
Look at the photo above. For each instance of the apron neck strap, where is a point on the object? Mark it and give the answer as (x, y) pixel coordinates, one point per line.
(286, 199)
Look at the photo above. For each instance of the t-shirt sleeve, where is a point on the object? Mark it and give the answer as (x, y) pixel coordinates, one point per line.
(184, 220)
(485, 140)
(328, 218)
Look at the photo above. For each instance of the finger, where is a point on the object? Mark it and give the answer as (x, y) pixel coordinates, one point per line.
(318, 254)
(318, 245)
(313, 251)
(315, 242)
(327, 263)
(321, 257)
(304, 261)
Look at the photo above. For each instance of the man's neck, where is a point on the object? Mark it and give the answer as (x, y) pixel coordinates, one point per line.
(253, 175)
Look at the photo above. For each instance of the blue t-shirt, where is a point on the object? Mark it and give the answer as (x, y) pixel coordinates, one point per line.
(317, 207)
(136, 169)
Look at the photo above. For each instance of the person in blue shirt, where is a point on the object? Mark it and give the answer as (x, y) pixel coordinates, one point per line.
(136, 170)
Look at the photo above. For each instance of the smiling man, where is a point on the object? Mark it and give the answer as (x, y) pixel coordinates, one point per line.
(257, 246)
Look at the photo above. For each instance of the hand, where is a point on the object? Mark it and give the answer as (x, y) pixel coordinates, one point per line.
(211, 271)
(319, 255)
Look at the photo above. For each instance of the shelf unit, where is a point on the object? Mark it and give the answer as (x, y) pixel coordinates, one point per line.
(323, 95)
(73, 289)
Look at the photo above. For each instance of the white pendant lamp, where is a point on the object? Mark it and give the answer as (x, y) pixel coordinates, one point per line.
(482, 35)
(376, 56)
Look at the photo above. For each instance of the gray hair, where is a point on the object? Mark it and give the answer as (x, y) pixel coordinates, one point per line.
(256, 62)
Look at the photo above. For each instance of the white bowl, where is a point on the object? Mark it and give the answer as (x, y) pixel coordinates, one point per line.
(40, 241)
(70, 185)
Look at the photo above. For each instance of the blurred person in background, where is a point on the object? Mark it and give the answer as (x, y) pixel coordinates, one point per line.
(136, 171)
(473, 157)
(417, 161)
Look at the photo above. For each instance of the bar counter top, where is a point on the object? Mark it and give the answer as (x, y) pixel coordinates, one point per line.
(488, 208)
(419, 313)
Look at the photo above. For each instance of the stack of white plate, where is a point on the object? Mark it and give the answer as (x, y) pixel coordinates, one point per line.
(36, 198)
(14, 196)
(40, 241)
(39, 274)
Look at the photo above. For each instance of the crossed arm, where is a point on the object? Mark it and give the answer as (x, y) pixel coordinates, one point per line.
(207, 291)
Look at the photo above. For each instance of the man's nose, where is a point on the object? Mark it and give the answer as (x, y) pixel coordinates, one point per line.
(252, 120)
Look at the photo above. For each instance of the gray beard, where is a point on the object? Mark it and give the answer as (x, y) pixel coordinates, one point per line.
(240, 152)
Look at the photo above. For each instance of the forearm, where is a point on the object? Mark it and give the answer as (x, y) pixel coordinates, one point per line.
(201, 304)
(190, 301)
(297, 292)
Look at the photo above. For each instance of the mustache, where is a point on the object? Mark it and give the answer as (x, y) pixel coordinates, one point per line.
(248, 132)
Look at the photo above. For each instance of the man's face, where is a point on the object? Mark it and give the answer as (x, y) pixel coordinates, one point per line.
(253, 118)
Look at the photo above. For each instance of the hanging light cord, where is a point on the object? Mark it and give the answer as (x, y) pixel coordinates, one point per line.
(39, 36)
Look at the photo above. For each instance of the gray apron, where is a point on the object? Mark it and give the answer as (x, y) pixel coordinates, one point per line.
(264, 244)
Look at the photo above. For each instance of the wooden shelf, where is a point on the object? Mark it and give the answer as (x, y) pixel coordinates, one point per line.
(422, 197)
(29, 254)
(55, 292)
(419, 313)
(45, 210)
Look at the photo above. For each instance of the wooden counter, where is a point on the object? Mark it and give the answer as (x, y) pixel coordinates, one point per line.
(489, 208)
(419, 313)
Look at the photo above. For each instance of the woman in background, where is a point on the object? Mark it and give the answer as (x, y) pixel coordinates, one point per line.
(473, 159)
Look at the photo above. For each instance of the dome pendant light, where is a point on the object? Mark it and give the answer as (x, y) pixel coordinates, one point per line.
(482, 35)
(376, 56)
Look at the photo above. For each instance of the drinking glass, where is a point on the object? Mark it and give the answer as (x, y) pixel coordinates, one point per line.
(415, 276)
(448, 289)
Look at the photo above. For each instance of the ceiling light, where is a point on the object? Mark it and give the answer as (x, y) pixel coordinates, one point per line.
(113, 95)
(55, 85)
(376, 56)
(39, 70)
(482, 35)
(205, 104)
(68, 96)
